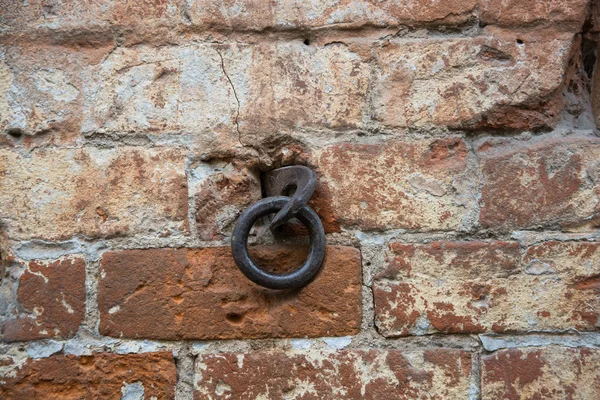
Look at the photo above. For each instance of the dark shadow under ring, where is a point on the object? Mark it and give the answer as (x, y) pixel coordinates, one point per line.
(297, 278)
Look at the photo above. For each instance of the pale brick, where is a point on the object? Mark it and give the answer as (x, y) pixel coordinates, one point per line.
(50, 301)
(489, 81)
(325, 374)
(42, 91)
(474, 287)
(147, 89)
(289, 86)
(58, 193)
(177, 294)
(222, 192)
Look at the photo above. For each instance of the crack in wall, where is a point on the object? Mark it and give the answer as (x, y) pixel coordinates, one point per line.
(237, 115)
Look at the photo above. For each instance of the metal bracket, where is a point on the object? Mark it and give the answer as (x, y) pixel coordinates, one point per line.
(277, 183)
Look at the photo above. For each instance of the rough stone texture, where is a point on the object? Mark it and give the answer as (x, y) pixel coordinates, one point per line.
(41, 91)
(223, 192)
(347, 374)
(417, 185)
(563, 14)
(148, 89)
(541, 373)
(282, 14)
(100, 376)
(58, 193)
(200, 294)
(145, 16)
(51, 301)
(90, 22)
(544, 183)
(474, 287)
(500, 80)
(292, 86)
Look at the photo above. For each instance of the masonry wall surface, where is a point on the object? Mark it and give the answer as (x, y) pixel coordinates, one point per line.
(458, 155)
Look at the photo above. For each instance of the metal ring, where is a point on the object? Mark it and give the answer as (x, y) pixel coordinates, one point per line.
(299, 277)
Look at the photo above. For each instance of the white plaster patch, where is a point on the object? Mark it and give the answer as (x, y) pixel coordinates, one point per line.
(338, 342)
(301, 344)
(132, 391)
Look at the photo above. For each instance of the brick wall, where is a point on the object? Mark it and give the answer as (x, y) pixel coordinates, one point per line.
(458, 157)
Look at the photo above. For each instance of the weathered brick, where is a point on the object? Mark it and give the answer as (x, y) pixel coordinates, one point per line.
(50, 301)
(346, 374)
(563, 14)
(222, 192)
(541, 373)
(489, 81)
(200, 294)
(543, 183)
(147, 89)
(147, 18)
(58, 193)
(41, 91)
(89, 22)
(418, 185)
(227, 92)
(315, 87)
(99, 376)
(473, 287)
(133, 16)
(285, 14)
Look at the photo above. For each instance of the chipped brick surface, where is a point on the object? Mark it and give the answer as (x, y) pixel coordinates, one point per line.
(42, 91)
(346, 374)
(58, 193)
(462, 83)
(223, 191)
(100, 376)
(562, 14)
(546, 183)
(51, 301)
(484, 82)
(418, 185)
(473, 287)
(541, 373)
(200, 294)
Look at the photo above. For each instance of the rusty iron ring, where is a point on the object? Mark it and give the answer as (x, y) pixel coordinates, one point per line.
(297, 278)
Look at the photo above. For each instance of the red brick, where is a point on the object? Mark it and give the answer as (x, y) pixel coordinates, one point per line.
(475, 287)
(415, 185)
(541, 373)
(51, 301)
(99, 376)
(57, 193)
(545, 183)
(200, 294)
(347, 374)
